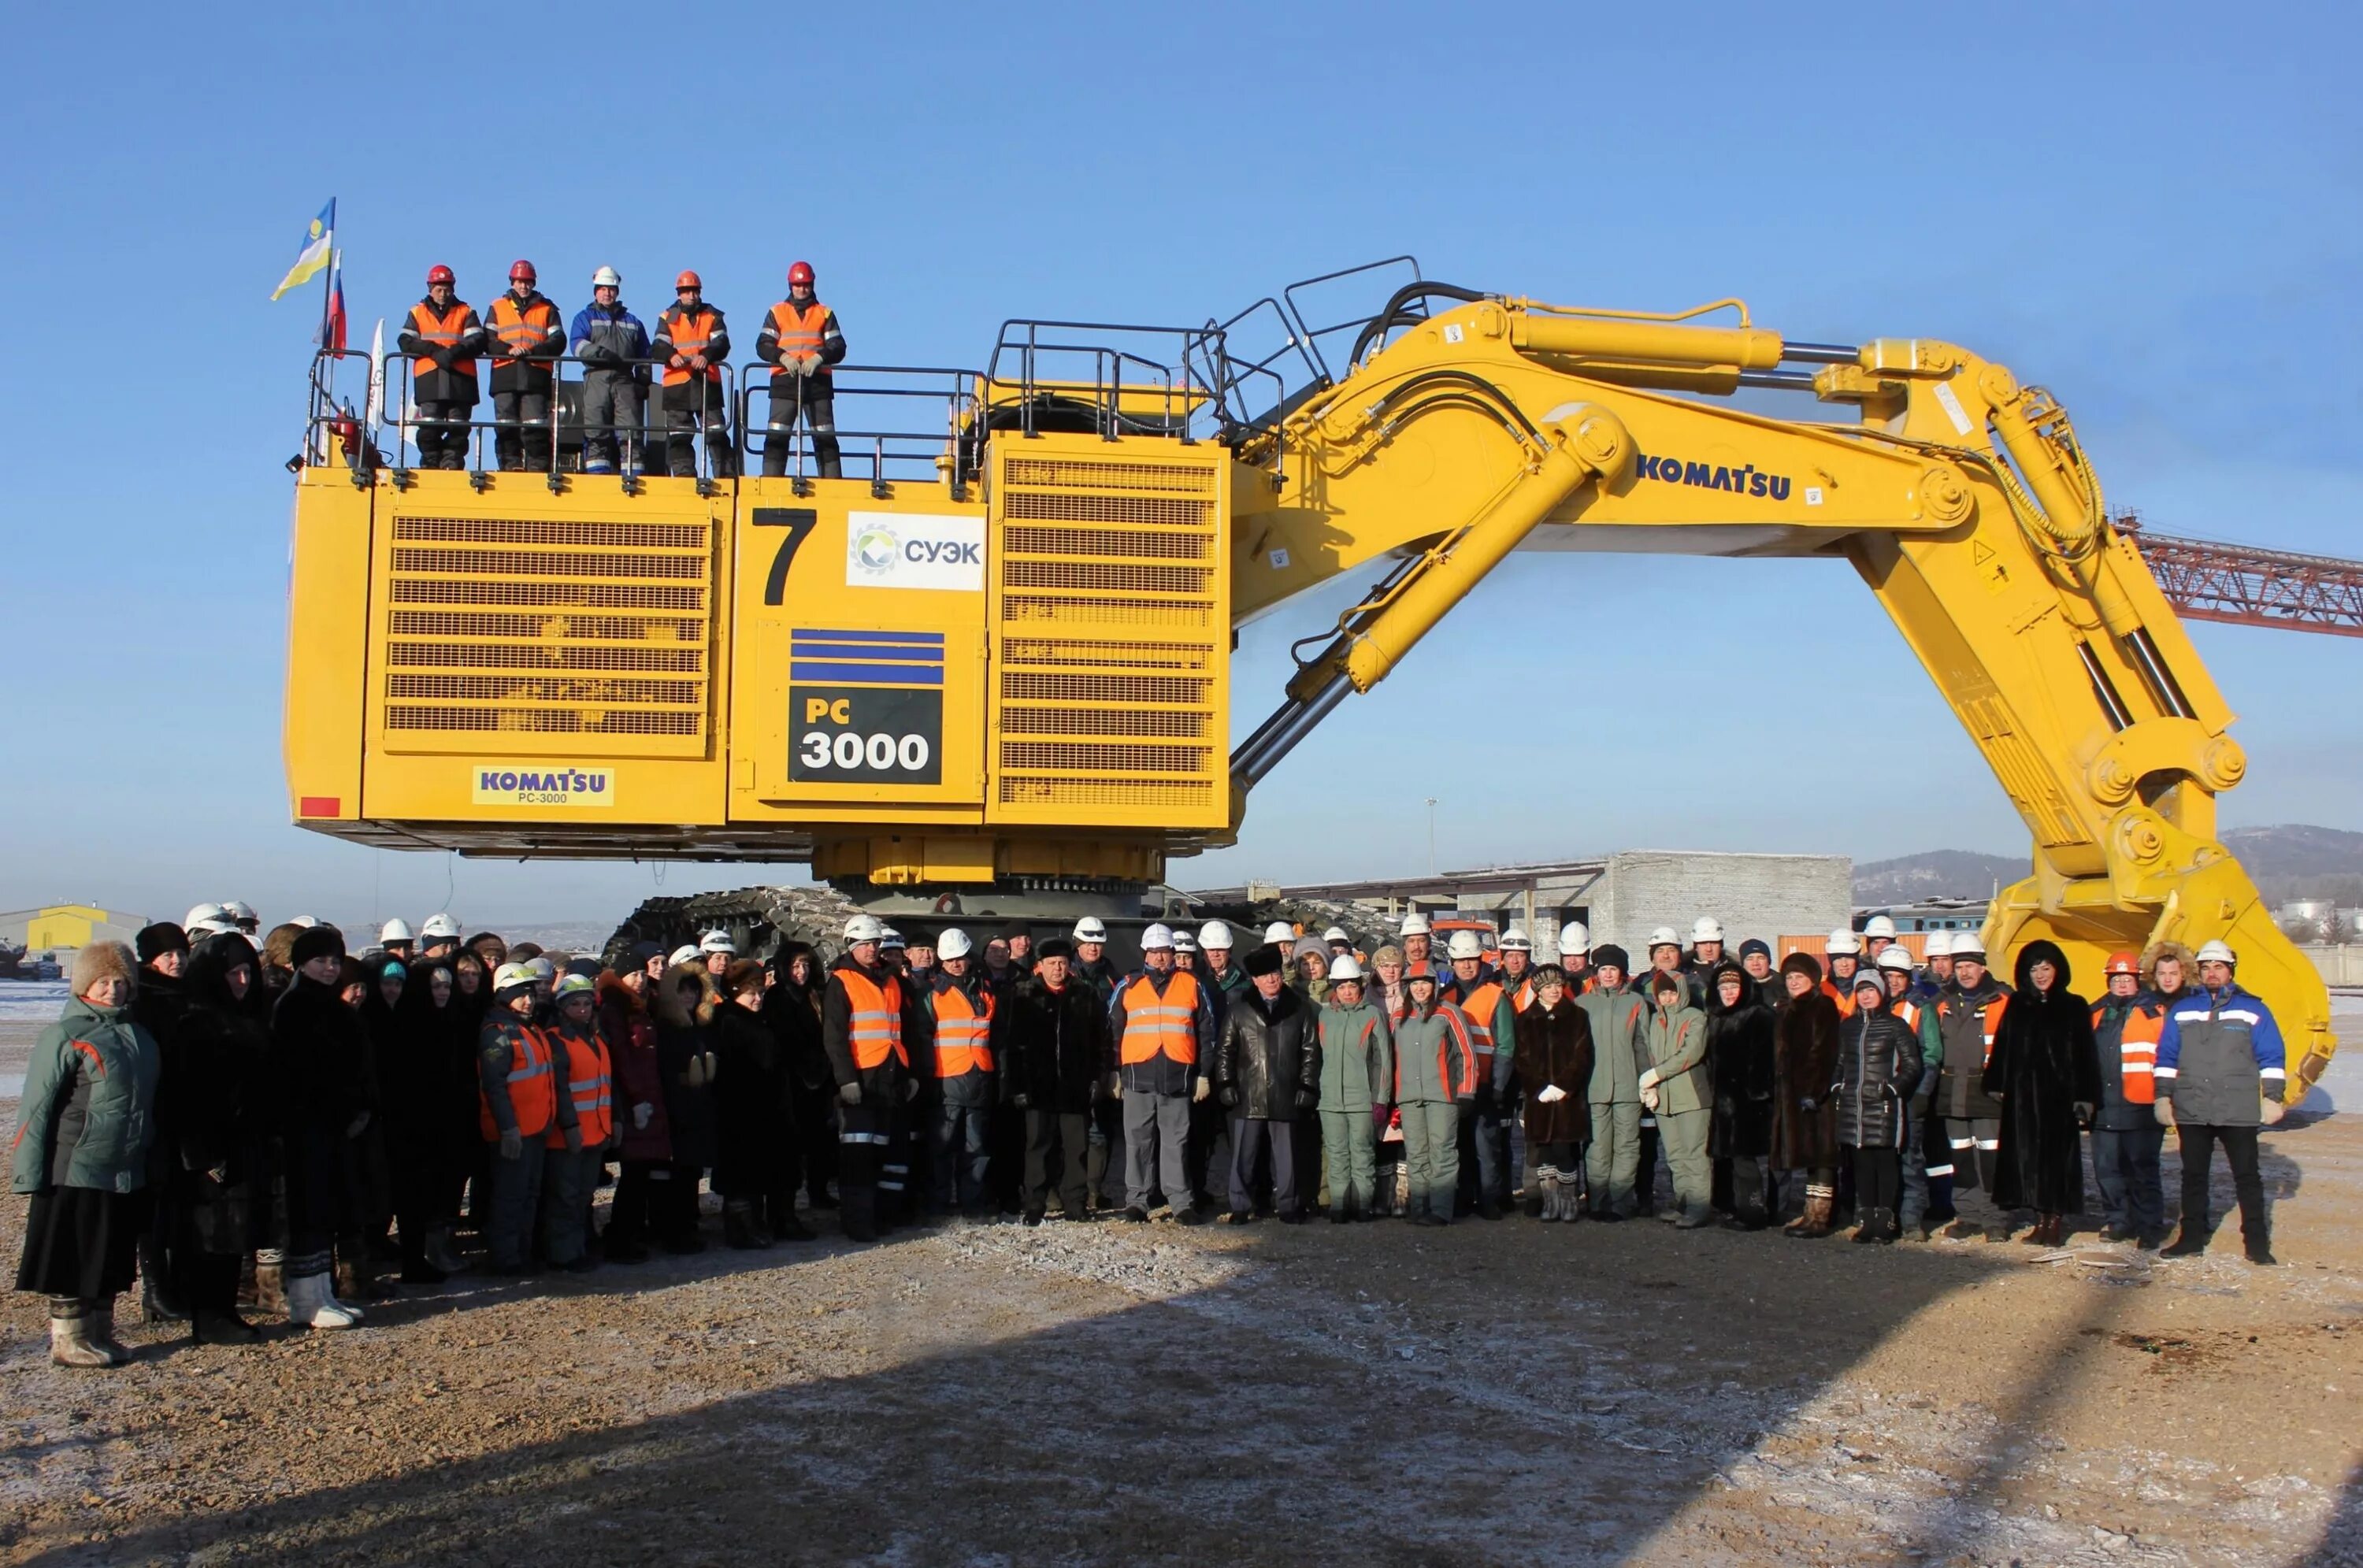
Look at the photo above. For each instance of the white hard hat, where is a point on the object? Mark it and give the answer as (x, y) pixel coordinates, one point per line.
(1844, 939)
(953, 943)
(717, 941)
(684, 953)
(606, 277)
(439, 925)
(1970, 944)
(1706, 928)
(1574, 940)
(577, 986)
(1464, 945)
(1279, 931)
(890, 937)
(2217, 953)
(1896, 957)
(1215, 933)
(1664, 937)
(307, 922)
(205, 928)
(240, 912)
(205, 915)
(394, 931)
(1091, 928)
(1183, 942)
(1157, 937)
(1879, 926)
(1515, 940)
(1335, 933)
(1940, 944)
(864, 928)
(1346, 969)
(1414, 925)
(512, 974)
(543, 969)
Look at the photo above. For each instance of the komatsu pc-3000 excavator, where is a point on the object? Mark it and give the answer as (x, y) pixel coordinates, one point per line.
(992, 674)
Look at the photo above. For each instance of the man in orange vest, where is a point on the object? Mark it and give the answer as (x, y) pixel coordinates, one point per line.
(961, 1012)
(520, 1105)
(861, 1029)
(1484, 1174)
(1163, 1029)
(571, 1155)
(531, 338)
(800, 341)
(443, 336)
(690, 345)
(2127, 1137)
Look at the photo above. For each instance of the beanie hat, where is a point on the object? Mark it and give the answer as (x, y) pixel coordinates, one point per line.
(103, 960)
(155, 941)
(1755, 944)
(641, 951)
(1016, 929)
(1610, 956)
(1803, 964)
(1659, 980)
(1264, 960)
(319, 942)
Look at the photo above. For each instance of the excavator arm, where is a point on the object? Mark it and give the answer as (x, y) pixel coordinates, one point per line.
(1962, 498)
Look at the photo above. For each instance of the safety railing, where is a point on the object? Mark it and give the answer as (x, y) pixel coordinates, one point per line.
(1125, 379)
(871, 414)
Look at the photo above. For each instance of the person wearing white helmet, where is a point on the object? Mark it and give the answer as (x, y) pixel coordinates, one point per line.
(958, 1009)
(1341, 943)
(517, 1081)
(1844, 949)
(241, 916)
(1282, 935)
(1699, 963)
(719, 952)
(209, 917)
(686, 953)
(613, 349)
(1185, 950)
(1224, 983)
(1163, 1027)
(438, 936)
(2222, 1074)
(1517, 968)
(1418, 944)
(861, 1029)
(1969, 1012)
(394, 937)
(1092, 965)
(1484, 1138)
(1575, 955)
(1935, 969)
(1356, 1063)
(1878, 935)
(572, 1157)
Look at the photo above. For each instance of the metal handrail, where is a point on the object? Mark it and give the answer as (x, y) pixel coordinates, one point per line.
(1175, 381)
(961, 421)
(1312, 335)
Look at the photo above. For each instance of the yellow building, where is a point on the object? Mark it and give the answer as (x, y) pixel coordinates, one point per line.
(64, 928)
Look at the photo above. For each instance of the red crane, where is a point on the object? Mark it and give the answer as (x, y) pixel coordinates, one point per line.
(2243, 586)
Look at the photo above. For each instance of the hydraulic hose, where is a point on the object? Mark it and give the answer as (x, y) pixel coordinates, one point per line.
(1391, 316)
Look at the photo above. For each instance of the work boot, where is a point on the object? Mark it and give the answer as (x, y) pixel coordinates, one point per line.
(222, 1327)
(1815, 1223)
(2260, 1253)
(70, 1344)
(98, 1328)
(2189, 1242)
(159, 1302)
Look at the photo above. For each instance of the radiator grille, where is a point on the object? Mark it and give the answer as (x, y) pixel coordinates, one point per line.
(1109, 595)
(542, 627)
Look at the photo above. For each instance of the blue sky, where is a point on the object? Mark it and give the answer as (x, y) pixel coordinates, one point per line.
(2153, 210)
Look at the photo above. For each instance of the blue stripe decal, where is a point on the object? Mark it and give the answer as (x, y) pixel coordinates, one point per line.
(873, 673)
(935, 637)
(868, 650)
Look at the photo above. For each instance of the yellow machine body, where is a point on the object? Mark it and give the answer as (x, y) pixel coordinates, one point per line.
(1021, 670)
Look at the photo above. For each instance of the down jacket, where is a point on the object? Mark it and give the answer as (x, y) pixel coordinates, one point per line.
(1268, 1057)
(1879, 1067)
(90, 1096)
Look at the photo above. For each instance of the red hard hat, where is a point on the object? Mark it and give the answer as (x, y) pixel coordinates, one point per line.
(2123, 964)
(801, 272)
(688, 280)
(438, 273)
(522, 272)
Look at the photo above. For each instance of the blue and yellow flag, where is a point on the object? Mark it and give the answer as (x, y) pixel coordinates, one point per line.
(315, 254)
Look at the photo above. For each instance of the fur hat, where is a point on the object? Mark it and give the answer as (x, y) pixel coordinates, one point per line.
(318, 941)
(746, 974)
(154, 941)
(2175, 950)
(1388, 953)
(1803, 964)
(1055, 948)
(1264, 960)
(1609, 955)
(103, 960)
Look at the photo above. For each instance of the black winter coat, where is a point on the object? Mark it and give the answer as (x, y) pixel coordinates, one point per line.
(1739, 1047)
(751, 1086)
(1057, 1045)
(319, 1064)
(2044, 1064)
(415, 1065)
(686, 1055)
(1805, 1057)
(1879, 1067)
(1267, 1057)
(223, 1143)
(1554, 1049)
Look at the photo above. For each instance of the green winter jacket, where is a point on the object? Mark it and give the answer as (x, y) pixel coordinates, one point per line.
(1678, 1053)
(87, 1116)
(1620, 1044)
(1358, 1057)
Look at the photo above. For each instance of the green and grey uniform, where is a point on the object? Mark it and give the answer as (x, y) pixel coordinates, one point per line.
(1620, 1053)
(1435, 1079)
(1358, 1070)
(1685, 1084)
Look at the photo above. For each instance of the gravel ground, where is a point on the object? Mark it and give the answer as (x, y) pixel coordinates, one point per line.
(1512, 1392)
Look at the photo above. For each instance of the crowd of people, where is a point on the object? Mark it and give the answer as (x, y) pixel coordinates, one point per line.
(233, 1119)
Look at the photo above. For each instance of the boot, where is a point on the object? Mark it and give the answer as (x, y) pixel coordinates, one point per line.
(70, 1344)
(2189, 1242)
(221, 1325)
(1815, 1223)
(443, 1251)
(858, 1212)
(270, 1287)
(159, 1302)
(310, 1306)
(738, 1228)
(98, 1328)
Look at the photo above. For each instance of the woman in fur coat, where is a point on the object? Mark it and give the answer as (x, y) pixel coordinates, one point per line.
(2045, 1070)
(1804, 1122)
(685, 1006)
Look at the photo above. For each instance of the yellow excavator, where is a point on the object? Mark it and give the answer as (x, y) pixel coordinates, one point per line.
(992, 674)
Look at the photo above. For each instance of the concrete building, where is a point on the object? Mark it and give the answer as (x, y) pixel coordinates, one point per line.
(66, 928)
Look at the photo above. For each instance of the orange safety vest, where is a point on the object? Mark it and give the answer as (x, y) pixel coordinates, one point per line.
(1166, 1024)
(1480, 1008)
(2136, 1051)
(800, 332)
(533, 1095)
(963, 1034)
(1524, 997)
(591, 1087)
(520, 329)
(448, 328)
(688, 331)
(1844, 998)
(1991, 1022)
(877, 1027)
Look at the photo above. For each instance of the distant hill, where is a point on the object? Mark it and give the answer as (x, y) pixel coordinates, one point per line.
(2291, 861)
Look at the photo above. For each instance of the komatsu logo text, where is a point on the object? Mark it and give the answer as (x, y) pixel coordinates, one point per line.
(1745, 480)
(500, 784)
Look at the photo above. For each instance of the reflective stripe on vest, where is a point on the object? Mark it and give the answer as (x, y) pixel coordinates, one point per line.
(1166, 1025)
(963, 1035)
(877, 1023)
(590, 1086)
(1480, 1008)
(522, 329)
(1523, 998)
(798, 332)
(688, 331)
(2137, 1053)
(533, 1091)
(442, 331)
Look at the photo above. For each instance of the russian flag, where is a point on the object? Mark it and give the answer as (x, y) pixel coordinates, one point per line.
(332, 325)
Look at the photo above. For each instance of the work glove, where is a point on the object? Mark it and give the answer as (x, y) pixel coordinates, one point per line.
(2272, 1111)
(851, 1094)
(358, 1125)
(640, 1114)
(1648, 1080)
(574, 1140)
(1649, 1097)
(1204, 1087)
(1022, 1101)
(1550, 1094)
(1230, 1099)
(1307, 1098)
(1116, 1087)
(2084, 1112)
(806, 364)
(512, 1145)
(2164, 1111)
(910, 1090)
